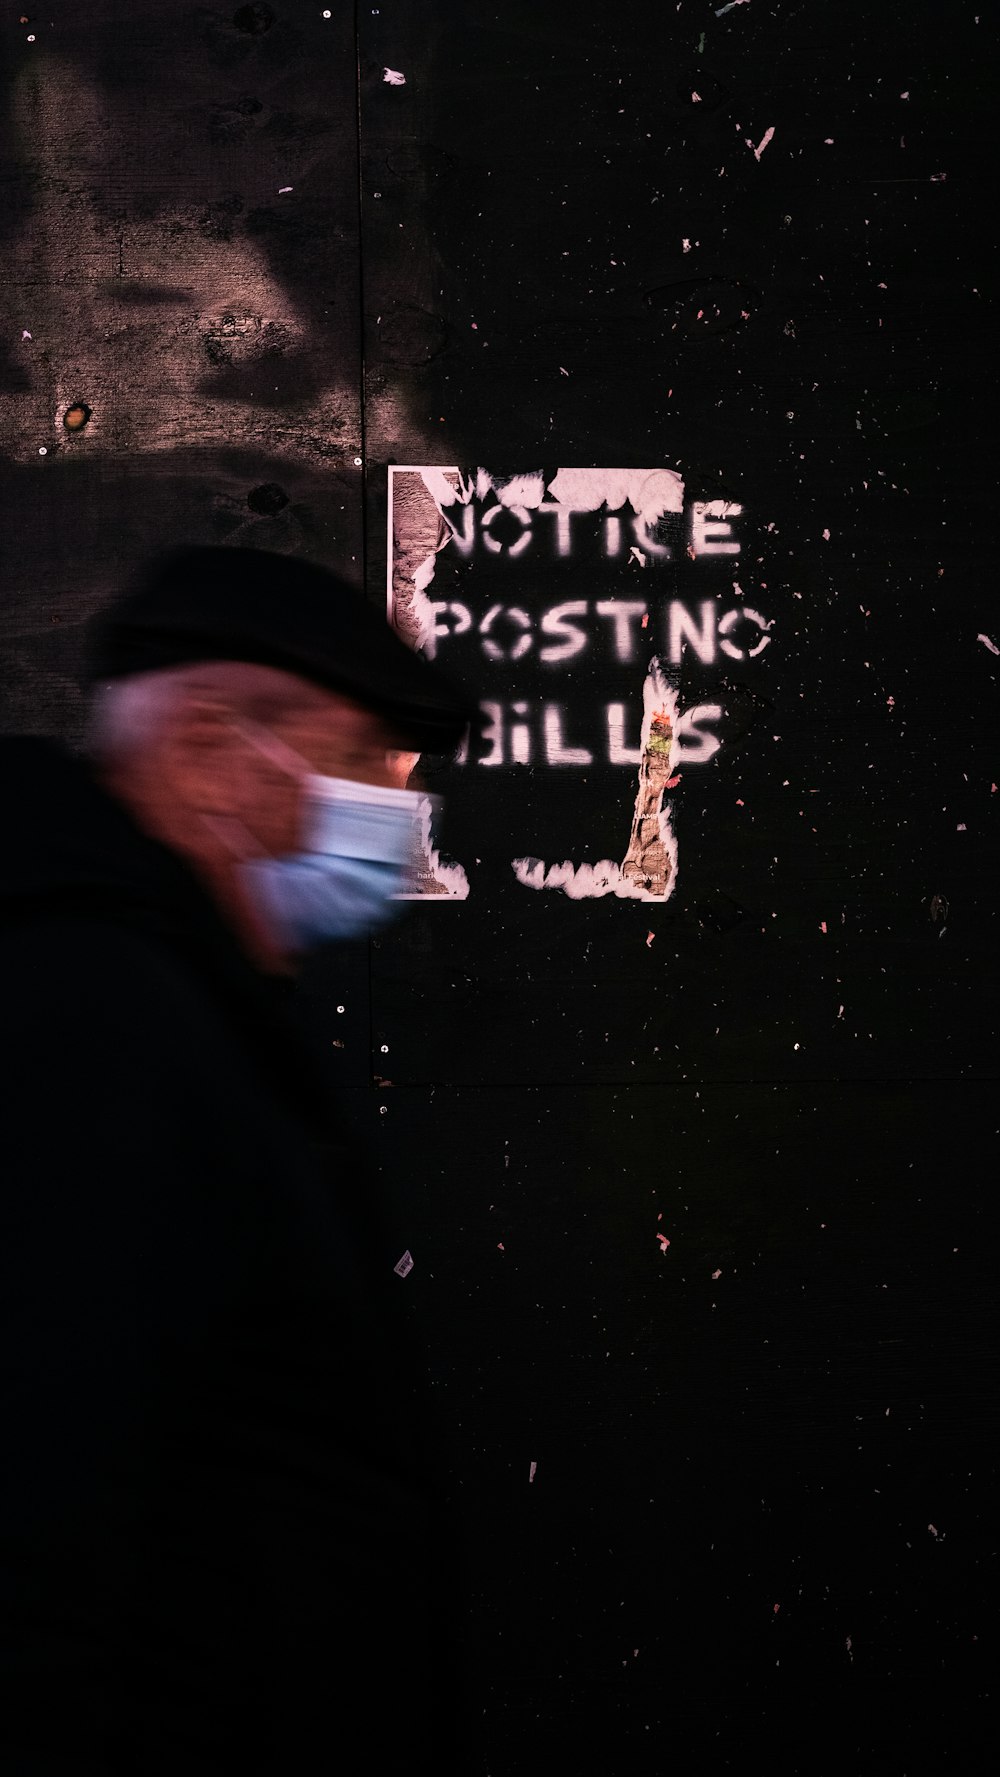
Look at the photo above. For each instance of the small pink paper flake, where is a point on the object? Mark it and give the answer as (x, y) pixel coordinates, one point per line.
(404, 1266)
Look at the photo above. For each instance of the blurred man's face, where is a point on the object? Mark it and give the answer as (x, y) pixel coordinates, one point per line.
(334, 738)
(225, 778)
(242, 744)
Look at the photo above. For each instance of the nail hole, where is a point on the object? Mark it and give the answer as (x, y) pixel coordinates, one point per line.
(255, 19)
(267, 499)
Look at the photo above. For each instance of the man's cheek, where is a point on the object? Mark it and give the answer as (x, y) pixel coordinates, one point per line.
(276, 820)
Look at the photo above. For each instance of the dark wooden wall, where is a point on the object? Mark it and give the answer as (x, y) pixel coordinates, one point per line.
(760, 1524)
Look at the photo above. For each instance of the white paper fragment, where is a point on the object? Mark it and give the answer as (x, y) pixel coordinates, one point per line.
(443, 492)
(454, 882)
(392, 77)
(532, 1466)
(520, 490)
(651, 826)
(650, 492)
(404, 1266)
(579, 881)
(988, 644)
(765, 139)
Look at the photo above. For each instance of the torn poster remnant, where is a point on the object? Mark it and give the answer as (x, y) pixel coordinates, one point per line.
(648, 870)
(519, 585)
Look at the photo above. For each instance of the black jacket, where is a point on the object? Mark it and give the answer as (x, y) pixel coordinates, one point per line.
(223, 1541)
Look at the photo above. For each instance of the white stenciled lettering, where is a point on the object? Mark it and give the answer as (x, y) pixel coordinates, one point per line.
(556, 750)
(522, 643)
(729, 622)
(460, 613)
(520, 736)
(711, 533)
(493, 732)
(623, 613)
(692, 744)
(554, 623)
(463, 535)
(562, 516)
(508, 632)
(619, 752)
(528, 733)
(493, 544)
(683, 629)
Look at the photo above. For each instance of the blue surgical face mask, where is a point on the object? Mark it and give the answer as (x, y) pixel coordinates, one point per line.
(359, 843)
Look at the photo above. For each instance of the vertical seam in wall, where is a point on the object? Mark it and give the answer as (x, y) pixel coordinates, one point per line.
(361, 302)
(363, 442)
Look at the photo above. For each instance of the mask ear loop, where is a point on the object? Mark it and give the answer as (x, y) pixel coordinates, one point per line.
(284, 757)
(230, 832)
(228, 828)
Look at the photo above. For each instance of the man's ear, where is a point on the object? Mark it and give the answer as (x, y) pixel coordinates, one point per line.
(204, 756)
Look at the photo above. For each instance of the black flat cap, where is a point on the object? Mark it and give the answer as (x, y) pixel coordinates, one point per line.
(201, 604)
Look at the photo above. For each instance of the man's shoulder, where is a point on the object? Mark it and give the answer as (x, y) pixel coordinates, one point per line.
(83, 946)
(73, 975)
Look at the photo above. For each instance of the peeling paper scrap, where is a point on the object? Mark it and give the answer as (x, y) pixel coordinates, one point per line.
(988, 644)
(430, 875)
(532, 1467)
(648, 871)
(650, 492)
(765, 139)
(392, 77)
(404, 1266)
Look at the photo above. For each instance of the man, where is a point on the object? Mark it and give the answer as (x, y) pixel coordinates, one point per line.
(223, 1543)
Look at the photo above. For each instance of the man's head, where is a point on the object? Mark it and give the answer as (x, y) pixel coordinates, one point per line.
(213, 761)
(212, 753)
